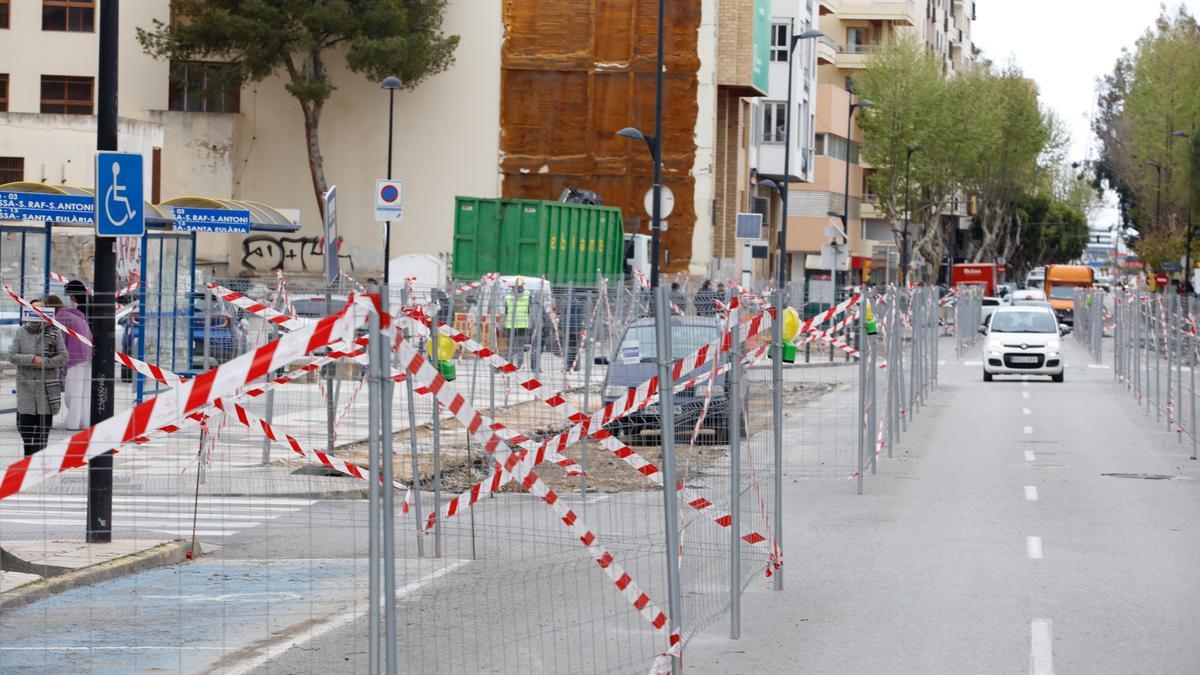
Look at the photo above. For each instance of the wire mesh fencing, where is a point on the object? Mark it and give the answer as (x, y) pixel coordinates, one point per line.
(1154, 351)
(469, 477)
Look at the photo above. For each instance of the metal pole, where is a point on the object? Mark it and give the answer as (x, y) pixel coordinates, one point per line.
(387, 226)
(777, 425)
(330, 397)
(735, 484)
(387, 386)
(270, 411)
(373, 498)
(862, 383)
(589, 358)
(412, 439)
(787, 168)
(1191, 348)
(657, 152)
(670, 475)
(100, 479)
(437, 439)
(872, 428)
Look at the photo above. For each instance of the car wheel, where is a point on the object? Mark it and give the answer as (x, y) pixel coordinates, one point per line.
(987, 377)
(1058, 377)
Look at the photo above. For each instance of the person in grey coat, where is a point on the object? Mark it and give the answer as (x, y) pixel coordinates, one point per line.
(39, 352)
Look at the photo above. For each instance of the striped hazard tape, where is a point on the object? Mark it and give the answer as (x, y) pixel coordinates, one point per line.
(50, 319)
(176, 404)
(481, 428)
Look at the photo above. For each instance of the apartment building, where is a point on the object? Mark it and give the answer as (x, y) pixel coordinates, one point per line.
(855, 29)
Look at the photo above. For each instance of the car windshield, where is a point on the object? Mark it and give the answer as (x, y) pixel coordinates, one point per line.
(1062, 292)
(1024, 322)
(639, 342)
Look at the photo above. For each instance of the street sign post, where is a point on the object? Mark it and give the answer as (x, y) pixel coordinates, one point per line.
(211, 220)
(30, 206)
(332, 270)
(389, 200)
(119, 195)
(748, 226)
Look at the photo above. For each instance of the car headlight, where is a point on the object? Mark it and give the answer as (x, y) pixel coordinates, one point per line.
(1053, 345)
(615, 391)
(994, 347)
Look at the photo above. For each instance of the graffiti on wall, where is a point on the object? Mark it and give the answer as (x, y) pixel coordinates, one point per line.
(264, 252)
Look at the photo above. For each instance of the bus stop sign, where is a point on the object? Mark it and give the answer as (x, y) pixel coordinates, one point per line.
(119, 195)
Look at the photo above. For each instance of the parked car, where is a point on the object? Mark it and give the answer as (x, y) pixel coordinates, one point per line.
(635, 362)
(989, 305)
(224, 339)
(1023, 341)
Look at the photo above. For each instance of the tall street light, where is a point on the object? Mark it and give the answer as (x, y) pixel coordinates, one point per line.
(391, 83)
(1187, 255)
(862, 103)
(904, 250)
(809, 34)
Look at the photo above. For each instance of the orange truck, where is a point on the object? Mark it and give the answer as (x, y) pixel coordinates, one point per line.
(1060, 285)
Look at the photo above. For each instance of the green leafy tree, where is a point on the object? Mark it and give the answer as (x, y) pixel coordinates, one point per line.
(260, 38)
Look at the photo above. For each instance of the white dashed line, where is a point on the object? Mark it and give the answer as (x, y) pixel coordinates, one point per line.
(1025, 394)
(1029, 430)
(1026, 411)
(1031, 493)
(972, 363)
(1097, 366)
(1033, 546)
(1041, 659)
(1029, 456)
(941, 363)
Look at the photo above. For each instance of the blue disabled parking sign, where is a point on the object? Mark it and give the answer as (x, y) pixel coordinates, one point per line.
(119, 195)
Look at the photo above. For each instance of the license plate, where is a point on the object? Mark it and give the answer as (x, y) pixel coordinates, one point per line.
(1024, 359)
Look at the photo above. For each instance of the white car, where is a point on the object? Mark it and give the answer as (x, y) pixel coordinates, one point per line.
(1023, 340)
(989, 305)
(1028, 295)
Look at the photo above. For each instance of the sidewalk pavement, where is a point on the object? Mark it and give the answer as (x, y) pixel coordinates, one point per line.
(32, 570)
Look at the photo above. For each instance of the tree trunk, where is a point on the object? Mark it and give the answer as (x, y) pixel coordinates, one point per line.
(312, 144)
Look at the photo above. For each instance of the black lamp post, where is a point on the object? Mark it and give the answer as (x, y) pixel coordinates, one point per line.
(1187, 255)
(845, 215)
(391, 83)
(904, 250)
(655, 148)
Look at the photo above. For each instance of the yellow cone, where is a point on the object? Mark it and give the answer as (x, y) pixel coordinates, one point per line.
(445, 348)
(791, 324)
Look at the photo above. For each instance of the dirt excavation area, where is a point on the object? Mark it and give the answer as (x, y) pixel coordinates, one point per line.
(464, 463)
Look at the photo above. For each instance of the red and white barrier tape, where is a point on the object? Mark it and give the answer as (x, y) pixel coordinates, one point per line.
(481, 428)
(175, 404)
(49, 319)
(485, 279)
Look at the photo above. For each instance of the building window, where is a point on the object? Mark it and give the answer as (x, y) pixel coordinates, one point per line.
(4, 8)
(12, 169)
(855, 40)
(67, 95)
(73, 16)
(3, 92)
(835, 147)
(203, 87)
(779, 43)
(774, 122)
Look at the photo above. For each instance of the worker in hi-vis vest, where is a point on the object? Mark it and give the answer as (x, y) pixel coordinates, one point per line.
(516, 320)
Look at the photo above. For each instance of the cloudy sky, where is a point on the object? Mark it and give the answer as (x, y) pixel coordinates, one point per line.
(1067, 45)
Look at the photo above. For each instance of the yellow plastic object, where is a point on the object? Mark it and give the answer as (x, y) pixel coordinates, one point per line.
(871, 327)
(791, 324)
(445, 348)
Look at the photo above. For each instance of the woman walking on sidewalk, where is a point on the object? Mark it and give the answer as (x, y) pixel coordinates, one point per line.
(77, 384)
(38, 351)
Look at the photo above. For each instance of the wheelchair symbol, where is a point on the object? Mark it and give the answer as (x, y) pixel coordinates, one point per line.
(115, 194)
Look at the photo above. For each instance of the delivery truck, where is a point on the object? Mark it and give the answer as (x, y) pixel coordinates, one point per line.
(1061, 282)
(976, 274)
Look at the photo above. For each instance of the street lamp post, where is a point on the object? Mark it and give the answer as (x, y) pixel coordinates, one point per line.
(391, 83)
(904, 250)
(862, 103)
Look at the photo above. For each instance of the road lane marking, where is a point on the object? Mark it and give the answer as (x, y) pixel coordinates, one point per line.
(1033, 546)
(1025, 394)
(1097, 365)
(941, 363)
(310, 633)
(1041, 659)
(1029, 456)
(972, 363)
(1026, 411)
(1031, 494)
(1029, 430)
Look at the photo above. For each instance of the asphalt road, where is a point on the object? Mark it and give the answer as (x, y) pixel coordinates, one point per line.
(993, 543)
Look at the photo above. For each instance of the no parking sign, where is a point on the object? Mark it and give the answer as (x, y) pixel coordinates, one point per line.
(389, 200)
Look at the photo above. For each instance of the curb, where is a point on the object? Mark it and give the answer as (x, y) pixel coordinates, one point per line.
(169, 553)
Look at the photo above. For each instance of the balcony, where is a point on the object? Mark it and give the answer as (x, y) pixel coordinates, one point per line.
(903, 12)
(829, 7)
(855, 56)
(870, 209)
(826, 53)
